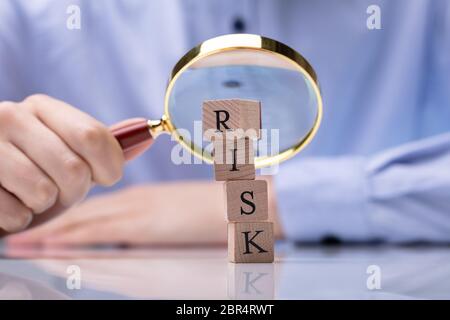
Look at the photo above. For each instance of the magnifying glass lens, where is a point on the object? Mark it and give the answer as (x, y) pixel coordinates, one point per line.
(288, 101)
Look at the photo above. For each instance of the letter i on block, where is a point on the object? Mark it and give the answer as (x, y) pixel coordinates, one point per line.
(234, 159)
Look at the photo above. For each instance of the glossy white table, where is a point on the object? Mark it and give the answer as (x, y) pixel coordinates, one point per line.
(302, 272)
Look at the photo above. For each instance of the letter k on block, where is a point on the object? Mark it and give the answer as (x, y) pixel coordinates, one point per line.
(250, 241)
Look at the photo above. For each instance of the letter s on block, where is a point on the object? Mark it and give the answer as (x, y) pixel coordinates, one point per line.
(248, 202)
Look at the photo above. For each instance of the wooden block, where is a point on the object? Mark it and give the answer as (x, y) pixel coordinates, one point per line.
(250, 242)
(246, 200)
(251, 281)
(221, 116)
(234, 159)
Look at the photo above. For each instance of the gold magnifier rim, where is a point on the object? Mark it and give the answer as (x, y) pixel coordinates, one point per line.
(235, 42)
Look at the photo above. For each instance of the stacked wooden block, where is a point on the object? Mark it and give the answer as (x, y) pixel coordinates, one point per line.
(233, 125)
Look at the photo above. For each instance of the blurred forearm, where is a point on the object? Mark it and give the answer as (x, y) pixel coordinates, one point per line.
(399, 195)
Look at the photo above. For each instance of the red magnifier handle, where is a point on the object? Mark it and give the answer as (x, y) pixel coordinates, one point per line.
(133, 136)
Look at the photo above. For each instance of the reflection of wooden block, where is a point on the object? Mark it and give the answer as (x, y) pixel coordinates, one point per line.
(251, 281)
(234, 159)
(225, 115)
(246, 200)
(250, 242)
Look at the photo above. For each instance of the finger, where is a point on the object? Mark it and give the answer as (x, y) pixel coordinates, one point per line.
(36, 235)
(73, 216)
(99, 229)
(67, 234)
(71, 173)
(94, 233)
(64, 235)
(14, 216)
(21, 177)
(85, 135)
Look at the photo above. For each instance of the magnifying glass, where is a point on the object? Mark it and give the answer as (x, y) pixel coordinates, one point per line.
(236, 66)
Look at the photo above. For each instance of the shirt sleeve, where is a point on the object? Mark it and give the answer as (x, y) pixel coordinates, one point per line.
(399, 195)
(13, 50)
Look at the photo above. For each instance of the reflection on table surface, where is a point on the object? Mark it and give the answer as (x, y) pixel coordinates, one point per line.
(299, 272)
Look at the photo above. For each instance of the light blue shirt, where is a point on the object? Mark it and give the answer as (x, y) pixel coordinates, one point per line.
(379, 167)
